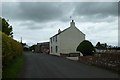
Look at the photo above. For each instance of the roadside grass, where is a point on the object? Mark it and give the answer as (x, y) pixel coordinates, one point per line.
(12, 70)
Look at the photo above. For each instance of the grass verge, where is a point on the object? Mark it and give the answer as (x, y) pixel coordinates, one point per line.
(12, 70)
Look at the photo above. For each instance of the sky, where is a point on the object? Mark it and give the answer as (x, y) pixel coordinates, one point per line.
(36, 22)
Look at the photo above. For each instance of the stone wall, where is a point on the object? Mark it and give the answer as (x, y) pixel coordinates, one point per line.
(105, 60)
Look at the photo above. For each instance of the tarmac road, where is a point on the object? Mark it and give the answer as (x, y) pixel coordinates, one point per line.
(48, 66)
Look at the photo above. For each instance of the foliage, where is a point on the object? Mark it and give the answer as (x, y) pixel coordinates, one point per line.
(12, 70)
(11, 49)
(6, 28)
(86, 48)
(101, 46)
(114, 48)
(32, 47)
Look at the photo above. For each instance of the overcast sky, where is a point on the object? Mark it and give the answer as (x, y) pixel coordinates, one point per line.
(37, 21)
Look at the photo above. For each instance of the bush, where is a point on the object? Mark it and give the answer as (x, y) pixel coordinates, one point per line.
(11, 49)
(86, 48)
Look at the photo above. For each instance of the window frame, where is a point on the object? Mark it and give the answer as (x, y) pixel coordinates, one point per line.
(56, 49)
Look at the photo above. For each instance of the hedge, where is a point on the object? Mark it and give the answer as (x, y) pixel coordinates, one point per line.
(11, 49)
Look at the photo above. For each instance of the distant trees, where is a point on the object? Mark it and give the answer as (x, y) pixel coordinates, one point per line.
(113, 48)
(104, 46)
(101, 46)
(25, 46)
(6, 27)
(32, 47)
(86, 48)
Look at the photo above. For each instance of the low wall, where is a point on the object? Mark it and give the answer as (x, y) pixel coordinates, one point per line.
(64, 55)
(87, 59)
(69, 54)
(105, 60)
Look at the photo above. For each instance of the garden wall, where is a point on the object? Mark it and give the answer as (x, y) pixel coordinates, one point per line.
(105, 60)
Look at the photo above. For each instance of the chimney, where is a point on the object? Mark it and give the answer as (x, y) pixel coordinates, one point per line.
(72, 24)
(59, 31)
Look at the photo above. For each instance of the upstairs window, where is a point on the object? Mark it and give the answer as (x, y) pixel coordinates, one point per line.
(56, 38)
(51, 40)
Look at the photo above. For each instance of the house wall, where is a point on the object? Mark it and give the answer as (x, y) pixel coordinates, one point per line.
(37, 48)
(42, 47)
(70, 39)
(54, 44)
(67, 41)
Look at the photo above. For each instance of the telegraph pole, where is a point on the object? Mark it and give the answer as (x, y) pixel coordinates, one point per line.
(21, 39)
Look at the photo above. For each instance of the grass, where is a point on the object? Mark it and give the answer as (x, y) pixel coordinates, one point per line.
(12, 70)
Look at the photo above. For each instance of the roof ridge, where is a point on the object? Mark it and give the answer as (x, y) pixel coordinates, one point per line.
(60, 32)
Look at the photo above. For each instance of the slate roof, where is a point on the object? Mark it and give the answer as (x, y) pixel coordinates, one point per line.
(60, 32)
(63, 31)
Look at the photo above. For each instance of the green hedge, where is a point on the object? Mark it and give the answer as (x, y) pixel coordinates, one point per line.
(11, 49)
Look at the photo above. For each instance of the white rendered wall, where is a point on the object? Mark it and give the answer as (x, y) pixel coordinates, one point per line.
(53, 45)
(70, 39)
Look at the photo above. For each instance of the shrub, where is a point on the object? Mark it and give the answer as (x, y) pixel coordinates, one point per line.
(86, 48)
(11, 49)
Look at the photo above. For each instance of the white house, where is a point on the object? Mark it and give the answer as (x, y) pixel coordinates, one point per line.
(66, 41)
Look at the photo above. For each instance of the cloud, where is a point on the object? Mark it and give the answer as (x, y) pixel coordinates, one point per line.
(31, 25)
(37, 21)
(35, 11)
(96, 11)
(59, 11)
(40, 11)
(104, 32)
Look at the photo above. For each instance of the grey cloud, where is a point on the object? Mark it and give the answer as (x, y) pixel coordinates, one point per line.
(95, 11)
(35, 11)
(10, 10)
(40, 11)
(95, 19)
(31, 25)
(100, 9)
(45, 18)
(51, 11)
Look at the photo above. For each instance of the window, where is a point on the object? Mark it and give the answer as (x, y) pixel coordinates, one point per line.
(51, 40)
(56, 38)
(51, 49)
(56, 49)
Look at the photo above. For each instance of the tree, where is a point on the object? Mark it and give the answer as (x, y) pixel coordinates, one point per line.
(86, 48)
(32, 47)
(98, 44)
(101, 46)
(6, 28)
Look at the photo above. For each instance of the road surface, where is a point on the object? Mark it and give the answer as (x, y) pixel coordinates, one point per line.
(48, 66)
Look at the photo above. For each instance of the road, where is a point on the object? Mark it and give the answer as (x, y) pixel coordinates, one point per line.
(48, 66)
